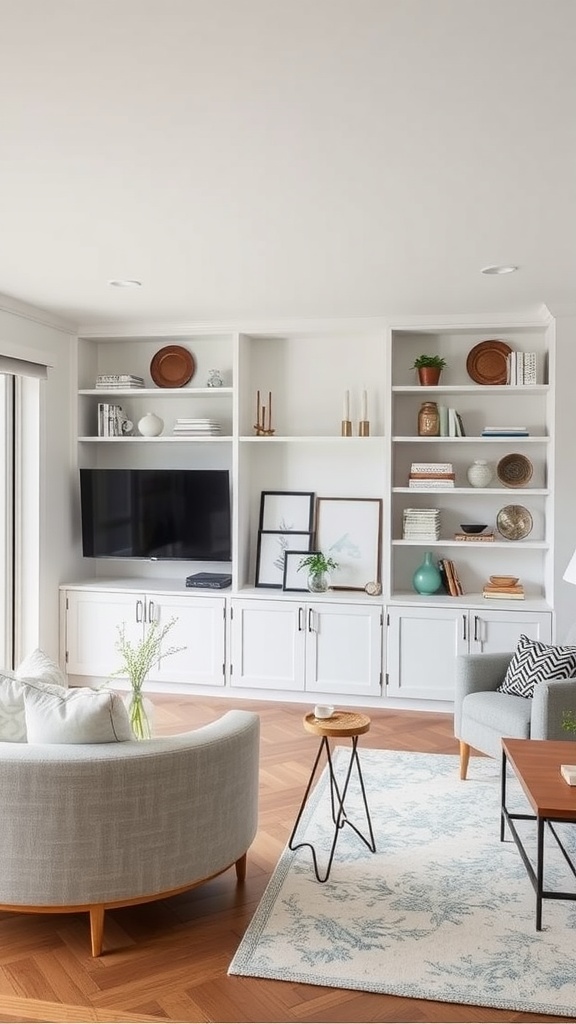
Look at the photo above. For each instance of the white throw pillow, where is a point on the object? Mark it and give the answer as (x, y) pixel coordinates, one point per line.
(77, 715)
(40, 667)
(12, 718)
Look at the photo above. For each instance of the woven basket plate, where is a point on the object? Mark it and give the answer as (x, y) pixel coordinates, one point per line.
(486, 362)
(514, 470)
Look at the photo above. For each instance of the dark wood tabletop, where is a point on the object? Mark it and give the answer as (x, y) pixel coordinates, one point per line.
(536, 764)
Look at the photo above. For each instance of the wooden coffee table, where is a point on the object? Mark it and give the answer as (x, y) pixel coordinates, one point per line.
(536, 764)
(342, 724)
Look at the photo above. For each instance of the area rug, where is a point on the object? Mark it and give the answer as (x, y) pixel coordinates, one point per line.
(443, 910)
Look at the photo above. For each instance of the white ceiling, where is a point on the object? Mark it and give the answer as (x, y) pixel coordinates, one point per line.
(287, 158)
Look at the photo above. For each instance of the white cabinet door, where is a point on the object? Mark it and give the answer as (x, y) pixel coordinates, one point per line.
(493, 631)
(94, 616)
(92, 620)
(344, 649)
(422, 647)
(267, 645)
(199, 629)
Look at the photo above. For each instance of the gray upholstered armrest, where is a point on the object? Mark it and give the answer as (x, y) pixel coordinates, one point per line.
(476, 673)
(551, 699)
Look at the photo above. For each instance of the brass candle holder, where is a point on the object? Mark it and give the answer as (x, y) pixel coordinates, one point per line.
(263, 416)
(364, 428)
(346, 428)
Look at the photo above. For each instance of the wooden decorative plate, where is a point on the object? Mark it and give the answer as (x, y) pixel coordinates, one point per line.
(487, 364)
(514, 470)
(172, 367)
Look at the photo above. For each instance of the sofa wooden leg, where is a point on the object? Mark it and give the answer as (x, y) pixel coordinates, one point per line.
(97, 929)
(464, 758)
(241, 867)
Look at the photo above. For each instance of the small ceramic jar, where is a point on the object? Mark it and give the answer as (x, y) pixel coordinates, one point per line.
(480, 473)
(151, 425)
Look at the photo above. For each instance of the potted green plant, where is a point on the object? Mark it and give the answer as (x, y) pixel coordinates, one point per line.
(319, 566)
(138, 658)
(429, 369)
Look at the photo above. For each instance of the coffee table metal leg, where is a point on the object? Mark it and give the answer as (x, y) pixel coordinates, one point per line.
(539, 873)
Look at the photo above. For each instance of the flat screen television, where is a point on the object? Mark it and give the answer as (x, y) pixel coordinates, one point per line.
(156, 514)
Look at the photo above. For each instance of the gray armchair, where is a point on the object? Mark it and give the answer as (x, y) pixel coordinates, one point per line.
(482, 716)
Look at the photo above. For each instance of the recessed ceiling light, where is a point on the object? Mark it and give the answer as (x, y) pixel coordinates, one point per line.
(509, 269)
(125, 284)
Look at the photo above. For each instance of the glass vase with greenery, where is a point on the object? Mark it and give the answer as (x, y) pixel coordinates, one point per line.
(139, 657)
(319, 566)
(569, 721)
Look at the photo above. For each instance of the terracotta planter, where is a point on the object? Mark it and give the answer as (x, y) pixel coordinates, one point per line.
(429, 375)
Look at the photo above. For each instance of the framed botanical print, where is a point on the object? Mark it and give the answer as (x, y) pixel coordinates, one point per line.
(349, 530)
(287, 511)
(270, 557)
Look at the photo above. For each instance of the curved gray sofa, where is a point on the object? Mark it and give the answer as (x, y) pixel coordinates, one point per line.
(94, 826)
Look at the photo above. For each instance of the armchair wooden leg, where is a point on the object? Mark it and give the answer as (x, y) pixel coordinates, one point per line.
(464, 758)
(97, 929)
(241, 867)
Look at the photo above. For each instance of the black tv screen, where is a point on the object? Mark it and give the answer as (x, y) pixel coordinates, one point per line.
(156, 514)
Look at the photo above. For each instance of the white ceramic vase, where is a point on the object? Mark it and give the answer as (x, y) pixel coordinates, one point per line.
(480, 473)
(151, 425)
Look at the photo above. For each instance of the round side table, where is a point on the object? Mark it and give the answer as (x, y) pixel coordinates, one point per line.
(342, 724)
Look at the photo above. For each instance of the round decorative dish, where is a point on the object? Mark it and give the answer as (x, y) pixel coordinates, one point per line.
(514, 522)
(514, 470)
(487, 364)
(504, 581)
(172, 367)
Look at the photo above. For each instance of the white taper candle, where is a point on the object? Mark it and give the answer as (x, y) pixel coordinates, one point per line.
(346, 412)
(364, 415)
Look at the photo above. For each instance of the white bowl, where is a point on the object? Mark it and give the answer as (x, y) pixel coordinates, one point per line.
(323, 711)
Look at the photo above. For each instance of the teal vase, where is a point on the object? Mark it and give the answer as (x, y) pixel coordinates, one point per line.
(427, 579)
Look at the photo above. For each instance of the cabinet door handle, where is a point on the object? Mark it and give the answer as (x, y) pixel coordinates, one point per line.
(310, 621)
(139, 611)
(476, 624)
(464, 627)
(300, 621)
(151, 611)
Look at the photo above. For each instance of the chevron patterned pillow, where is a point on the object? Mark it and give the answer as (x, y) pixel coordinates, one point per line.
(534, 662)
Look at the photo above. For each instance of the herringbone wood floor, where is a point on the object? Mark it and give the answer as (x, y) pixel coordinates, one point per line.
(167, 961)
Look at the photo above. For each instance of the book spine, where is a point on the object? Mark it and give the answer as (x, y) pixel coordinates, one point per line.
(503, 597)
(519, 367)
(474, 536)
(530, 368)
(431, 485)
(453, 590)
(433, 467)
(443, 414)
(457, 583)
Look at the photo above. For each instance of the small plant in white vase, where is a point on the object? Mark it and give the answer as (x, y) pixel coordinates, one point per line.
(319, 567)
(138, 659)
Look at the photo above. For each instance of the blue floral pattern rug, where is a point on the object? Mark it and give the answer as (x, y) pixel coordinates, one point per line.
(443, 910)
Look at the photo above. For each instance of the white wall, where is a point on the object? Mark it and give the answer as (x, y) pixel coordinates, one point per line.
(25, 328)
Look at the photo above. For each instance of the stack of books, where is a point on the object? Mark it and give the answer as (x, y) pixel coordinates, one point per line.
(196, 428)
(431, 476)
(451, 424)
(449, 576)
(421, 524)
(521, 368)
(515, 592)
(505, 432)
(111, 381)
(111, 420)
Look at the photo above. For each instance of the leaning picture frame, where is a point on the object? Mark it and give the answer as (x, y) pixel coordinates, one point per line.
(349, 530)
(270, 556)
(287, 511)
(294, 578)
